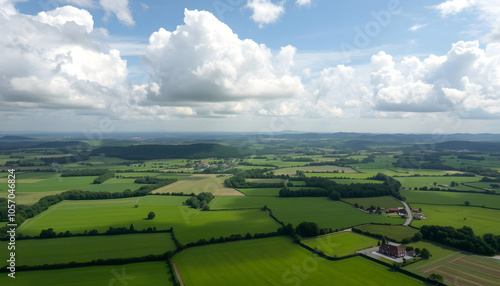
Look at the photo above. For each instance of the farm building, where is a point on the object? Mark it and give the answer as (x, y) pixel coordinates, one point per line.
(392, 250)
(391, 210)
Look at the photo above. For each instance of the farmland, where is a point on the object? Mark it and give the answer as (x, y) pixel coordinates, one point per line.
(340, 244)
(200, 183)
(63, 250)
(315, 169)
(396, 232)
(272, 261)
(481, 220)
(451, 198)
(383, 202)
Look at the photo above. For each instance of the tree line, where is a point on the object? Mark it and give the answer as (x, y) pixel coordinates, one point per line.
(104, 177)
(200, 201)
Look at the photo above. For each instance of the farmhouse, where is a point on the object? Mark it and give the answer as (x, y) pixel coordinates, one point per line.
(391, 210)
(392, 250)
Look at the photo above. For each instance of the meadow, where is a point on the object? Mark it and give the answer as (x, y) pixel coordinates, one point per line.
(314, 169)
(134, 274)
(323, 211)
(200, 183)
(451, 198)
(262, 192)
(412, 182)
(340, 244)
(274, 261)
(85, 249)
(481, 220)
(189, 224)
(383, 202)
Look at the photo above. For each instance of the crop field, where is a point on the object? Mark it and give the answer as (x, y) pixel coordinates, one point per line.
(341, 244)
(340, 175)
(441, 182)
(265, 192)
(85, 249)
(48, 182)
(397, 232)
(455, 267)
(315, 169)
(189, 224)
(114, 185)
(135, 274)
(272, 261)
(354, 181)
(451, 198)
(200, 183)
(481, 220)
(323, 211)
(383, 202)
(267, 181)
(29, 198)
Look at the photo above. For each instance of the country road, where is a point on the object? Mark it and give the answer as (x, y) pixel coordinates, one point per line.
(410, 215)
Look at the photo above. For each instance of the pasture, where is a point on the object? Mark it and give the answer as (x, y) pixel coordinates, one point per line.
(441, 182)
(200, 183)
(135, 274)
(383, 202)
(85, 249)
(450, 198)
(396, 232)
(113, 185)
(481, 220)
(340, 244)
(48, 182)
(263, 192)
(275, 261)
(189, 224)
(323, 211)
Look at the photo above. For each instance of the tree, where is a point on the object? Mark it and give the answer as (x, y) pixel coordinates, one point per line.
(151, 215)
(307, 229)
(384, 240)
(425, 253)
(467, 203)
(436, 277)
(132, 229)
(417, 237)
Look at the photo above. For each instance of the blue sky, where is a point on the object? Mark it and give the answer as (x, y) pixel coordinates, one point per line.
(243, 65)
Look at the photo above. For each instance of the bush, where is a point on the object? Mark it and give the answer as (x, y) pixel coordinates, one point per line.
(151, 215)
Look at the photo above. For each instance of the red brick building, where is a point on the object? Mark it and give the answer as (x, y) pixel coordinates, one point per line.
(392, 250)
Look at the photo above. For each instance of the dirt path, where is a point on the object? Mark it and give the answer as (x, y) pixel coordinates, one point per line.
(178, 274)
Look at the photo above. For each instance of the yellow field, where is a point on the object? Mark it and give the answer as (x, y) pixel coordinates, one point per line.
(198, 184)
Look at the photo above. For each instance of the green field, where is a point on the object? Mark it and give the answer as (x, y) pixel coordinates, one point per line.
(315, 169)
(114, 185)
(267, 181)
(397, 232)
(85, 249)
(272, 261)
(451, 198)
(445, 182)
(135, 274)
(263, 192)
(353, 181)
(200, 183)
(323, 211)
(340, 244)
(47, 182)
(480, 219)
(28, 198)
(189, 224)
(383, 202)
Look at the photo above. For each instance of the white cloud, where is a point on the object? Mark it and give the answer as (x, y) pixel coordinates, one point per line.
(204, 61)
(265, 11)
(80, 3)
(120, 8)
(303, 2)
(416, 27)
(51, 62)
(452, 7)
(466, 79)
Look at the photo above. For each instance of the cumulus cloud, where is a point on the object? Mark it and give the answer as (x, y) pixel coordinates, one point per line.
(119, 8)
(303, 2)
(466, 79)
(50, 61)
(265, 11)
(452, 7)
(416, 27)
(204, 61)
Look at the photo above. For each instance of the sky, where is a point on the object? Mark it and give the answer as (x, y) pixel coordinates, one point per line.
(379, 66)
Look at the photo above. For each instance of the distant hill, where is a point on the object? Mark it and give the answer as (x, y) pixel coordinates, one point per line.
(149, 152)
(61, 144)
(14, 138)
(469, 145)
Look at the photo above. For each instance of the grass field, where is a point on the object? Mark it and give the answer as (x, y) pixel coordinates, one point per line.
(48, 182)
(135, 274)
(267, 181)
(189, 224)
(354, 181)
(265, 192)
(85, 249)
(323, 211)
(341, 244)
(412, 182)
(113, 185)
(383, 202)
(200, 183)
(316, 169)
(28, 198)
(451, 198)
(397, 232)
(272, 261)
(480, 219)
